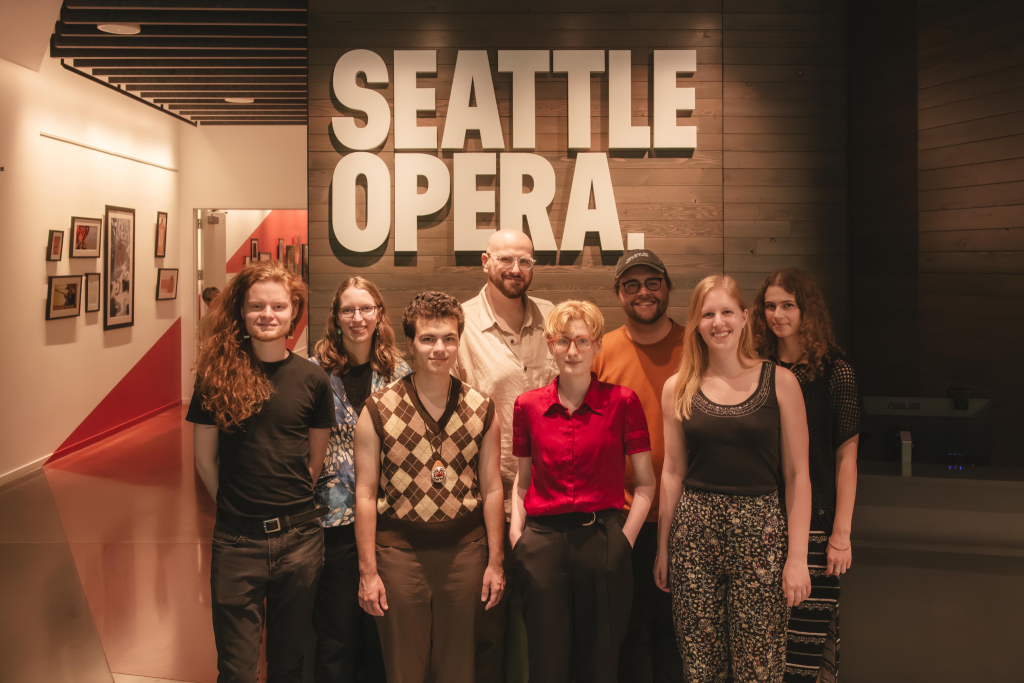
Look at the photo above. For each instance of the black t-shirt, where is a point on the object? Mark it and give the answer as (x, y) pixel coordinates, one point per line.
(263, 465)
(357, 385)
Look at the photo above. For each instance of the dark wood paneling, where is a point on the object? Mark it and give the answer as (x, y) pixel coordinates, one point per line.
(765, 188)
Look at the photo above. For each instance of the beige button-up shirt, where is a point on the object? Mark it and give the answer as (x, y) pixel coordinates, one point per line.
(493, 362)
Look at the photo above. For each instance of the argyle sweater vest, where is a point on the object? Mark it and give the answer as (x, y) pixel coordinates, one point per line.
(412, 510)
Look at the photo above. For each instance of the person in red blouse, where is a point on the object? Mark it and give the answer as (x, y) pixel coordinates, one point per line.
(567, 531)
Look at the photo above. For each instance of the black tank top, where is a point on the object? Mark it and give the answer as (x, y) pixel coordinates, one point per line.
(735, 449)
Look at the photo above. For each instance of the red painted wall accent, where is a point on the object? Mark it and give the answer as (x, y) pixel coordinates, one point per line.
(279, 224)
(152, 386)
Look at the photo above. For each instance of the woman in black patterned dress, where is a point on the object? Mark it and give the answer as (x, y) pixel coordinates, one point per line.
(792, 327)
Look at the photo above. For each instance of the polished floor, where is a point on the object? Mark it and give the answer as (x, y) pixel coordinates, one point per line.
(105, 561)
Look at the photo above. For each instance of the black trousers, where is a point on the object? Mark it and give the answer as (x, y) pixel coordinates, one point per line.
(650, 653)
(251, 567)
(578, 586)
(347, 643)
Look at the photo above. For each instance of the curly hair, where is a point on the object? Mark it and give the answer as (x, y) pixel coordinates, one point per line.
(384, 353)
(816, 336)
(432, 306)
(229, 376)
(694, 361)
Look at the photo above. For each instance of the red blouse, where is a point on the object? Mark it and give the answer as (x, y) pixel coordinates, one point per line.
(579, 459)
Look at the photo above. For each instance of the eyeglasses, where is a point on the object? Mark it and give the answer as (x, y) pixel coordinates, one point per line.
(525, 262)
(633, 286)
(562, 344)
(365, 311)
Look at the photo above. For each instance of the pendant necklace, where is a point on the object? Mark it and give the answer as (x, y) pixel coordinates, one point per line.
(438, 473)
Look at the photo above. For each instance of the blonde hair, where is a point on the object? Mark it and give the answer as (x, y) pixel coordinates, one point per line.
(557, 322)
(694, 361)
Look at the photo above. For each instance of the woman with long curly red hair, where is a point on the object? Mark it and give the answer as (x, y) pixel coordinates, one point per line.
(262, 418)
(359, 353)
(792, 328)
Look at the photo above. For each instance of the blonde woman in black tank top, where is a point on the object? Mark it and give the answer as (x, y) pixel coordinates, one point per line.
(735, 436)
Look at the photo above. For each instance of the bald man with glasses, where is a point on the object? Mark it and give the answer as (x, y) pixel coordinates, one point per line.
(503, 353)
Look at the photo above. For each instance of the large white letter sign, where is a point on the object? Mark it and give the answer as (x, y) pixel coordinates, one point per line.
(469, 201)
(592, 172)
(622, 134)
(533, 205)
(579, 64)
(409, 99)
(524, 65)
(668, 99)
(378, 113)
(378, 201)
(409, 203)
(472, 75)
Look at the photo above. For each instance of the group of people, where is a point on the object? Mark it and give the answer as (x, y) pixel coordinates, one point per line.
(528, 498)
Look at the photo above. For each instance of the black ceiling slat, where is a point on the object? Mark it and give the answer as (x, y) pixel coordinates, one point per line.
(225, 93)
(193, 5)
(253, 123)
(109, 61)
(187, 31)
(235, 108)
(107, 42)
(198, 80)
(178, 99)
(209, 72)
(248, 118)
(171, 53)
(219, 87)
(206, 17)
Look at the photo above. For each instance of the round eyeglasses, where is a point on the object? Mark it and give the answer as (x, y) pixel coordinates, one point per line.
(652, 284)
(562, 344)
(365, 311)
(525, 262)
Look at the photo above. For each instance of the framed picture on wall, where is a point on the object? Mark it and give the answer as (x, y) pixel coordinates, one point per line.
(264, 256)
(85, 237)
(248, 260)
(92, 292)
(280, 249)
(254, 248)
(63, 296)
(55, 245)
(119, 268)
(161, 234)
(305, 263)
(166, 284)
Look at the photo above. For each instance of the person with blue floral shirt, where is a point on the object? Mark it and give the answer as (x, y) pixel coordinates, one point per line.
(359, 353)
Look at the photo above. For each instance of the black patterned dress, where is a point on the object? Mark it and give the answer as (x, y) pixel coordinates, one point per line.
(833, 417)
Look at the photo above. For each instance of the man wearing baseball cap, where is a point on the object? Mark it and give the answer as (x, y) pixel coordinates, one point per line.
(642, 355)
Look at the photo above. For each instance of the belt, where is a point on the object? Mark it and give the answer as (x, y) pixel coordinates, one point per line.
(573, 520)
(249, 527)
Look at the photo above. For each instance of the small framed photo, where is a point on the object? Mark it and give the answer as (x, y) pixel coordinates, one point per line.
(248, 259)
(93, 288)
(55, 247)
(264, 256)
(85, 237)
(161, 234)
(119, 268)
(166, 284)
(254, 248)
(280, 249)
(63, 296)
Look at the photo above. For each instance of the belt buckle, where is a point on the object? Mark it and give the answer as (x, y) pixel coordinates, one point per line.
(593, 519)
(272, 525)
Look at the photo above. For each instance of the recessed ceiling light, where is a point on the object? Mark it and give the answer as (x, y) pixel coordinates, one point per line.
(121, 29)
(239, 100)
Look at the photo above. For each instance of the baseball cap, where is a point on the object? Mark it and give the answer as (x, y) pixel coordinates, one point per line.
(638, 257)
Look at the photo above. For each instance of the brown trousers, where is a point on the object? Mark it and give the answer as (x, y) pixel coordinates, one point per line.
(428, 630)
(577, 576)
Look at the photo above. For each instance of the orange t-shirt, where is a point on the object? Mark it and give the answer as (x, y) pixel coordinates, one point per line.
(644, 368)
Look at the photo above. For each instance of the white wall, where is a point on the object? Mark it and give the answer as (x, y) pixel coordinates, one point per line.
(59, 370)
(234, 167)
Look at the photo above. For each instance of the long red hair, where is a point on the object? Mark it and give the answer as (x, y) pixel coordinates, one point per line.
(384, 353)
(816, 336)
(228, 375)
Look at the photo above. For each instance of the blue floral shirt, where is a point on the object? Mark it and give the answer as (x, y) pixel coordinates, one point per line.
(336, 487)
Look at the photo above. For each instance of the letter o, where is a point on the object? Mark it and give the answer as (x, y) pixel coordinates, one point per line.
(378, 201)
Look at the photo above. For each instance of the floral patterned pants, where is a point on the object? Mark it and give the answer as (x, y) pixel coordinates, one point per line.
(726, 558)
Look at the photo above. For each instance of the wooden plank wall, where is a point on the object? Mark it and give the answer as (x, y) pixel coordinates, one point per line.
(971, 206)
(883, 197)
(765, 188)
